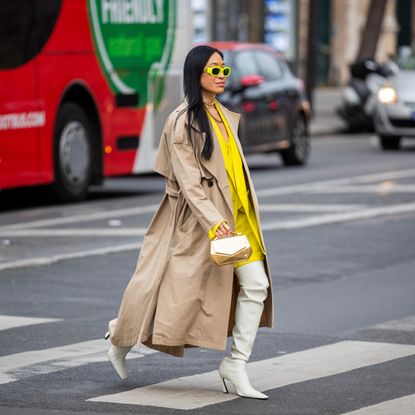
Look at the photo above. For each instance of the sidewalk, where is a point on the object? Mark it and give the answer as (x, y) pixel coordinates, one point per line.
(325, 120)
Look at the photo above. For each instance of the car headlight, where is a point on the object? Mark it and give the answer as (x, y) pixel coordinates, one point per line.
(387, 95)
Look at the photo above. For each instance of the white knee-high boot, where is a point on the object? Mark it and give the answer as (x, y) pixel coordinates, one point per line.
(250, 303)
(116, 355)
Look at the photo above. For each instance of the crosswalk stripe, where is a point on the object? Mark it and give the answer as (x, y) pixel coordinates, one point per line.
(10, 322)
(27, 364)
(200, 390)
(403, 324)
(399, 406)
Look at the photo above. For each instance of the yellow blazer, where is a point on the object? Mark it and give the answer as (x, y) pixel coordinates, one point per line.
(244, 214)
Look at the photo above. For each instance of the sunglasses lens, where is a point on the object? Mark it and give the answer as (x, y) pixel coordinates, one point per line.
(215, 71)
(226, 71)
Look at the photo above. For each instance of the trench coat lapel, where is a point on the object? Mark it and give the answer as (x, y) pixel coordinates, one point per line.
(216, 164)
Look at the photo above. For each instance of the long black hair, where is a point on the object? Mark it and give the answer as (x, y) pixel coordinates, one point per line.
(194, 64)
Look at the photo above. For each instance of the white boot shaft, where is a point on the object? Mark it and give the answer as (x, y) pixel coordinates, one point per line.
(254, 285)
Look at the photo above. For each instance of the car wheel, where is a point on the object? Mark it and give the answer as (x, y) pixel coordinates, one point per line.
(389, 142)
(72, 154)
(299, 150)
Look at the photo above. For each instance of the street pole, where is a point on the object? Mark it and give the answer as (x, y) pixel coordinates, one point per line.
(311, 51)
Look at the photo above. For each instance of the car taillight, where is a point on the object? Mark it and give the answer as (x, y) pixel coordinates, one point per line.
(248, 106)
(273, 105)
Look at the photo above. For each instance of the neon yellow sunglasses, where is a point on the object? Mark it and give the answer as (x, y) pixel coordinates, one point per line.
(218, 70)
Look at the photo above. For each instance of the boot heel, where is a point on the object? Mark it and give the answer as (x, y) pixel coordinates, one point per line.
(224, 388)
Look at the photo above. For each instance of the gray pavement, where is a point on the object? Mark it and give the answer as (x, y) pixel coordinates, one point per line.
(340, 234)
(325, 121)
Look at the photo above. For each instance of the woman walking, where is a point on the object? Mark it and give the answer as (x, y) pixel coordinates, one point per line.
(177, 296)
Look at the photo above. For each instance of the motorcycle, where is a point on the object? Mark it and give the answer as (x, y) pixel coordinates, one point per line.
(359, 95)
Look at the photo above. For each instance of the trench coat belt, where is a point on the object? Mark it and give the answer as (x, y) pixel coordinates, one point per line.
(179, 203)
(172, 191)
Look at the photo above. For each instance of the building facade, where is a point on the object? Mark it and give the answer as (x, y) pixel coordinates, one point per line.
(284, 24)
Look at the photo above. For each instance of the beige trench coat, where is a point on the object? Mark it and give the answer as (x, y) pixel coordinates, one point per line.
(177, 296)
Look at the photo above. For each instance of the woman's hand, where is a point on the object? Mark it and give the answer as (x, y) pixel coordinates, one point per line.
(223, 230)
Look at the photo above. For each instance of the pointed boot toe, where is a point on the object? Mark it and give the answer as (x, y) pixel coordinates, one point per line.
(234, 371)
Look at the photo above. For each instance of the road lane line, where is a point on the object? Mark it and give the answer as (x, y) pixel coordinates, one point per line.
(261, 193)
(400, 406)
(30, 262)
(382, 189)
(343, 216)
(191, 392)
(10, 322)
(132, 231)
(307, 207)
(87, 217)
(74, 232)
(368, 213)
(312, 186)
(37, 362)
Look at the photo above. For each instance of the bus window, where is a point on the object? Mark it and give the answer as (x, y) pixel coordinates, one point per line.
(25, 26)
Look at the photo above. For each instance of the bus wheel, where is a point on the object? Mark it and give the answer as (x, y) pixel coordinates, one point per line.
(73, 153)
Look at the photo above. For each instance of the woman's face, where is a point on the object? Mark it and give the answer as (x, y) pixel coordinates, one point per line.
(213, 84)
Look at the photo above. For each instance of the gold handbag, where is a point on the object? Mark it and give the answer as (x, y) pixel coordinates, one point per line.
(230, 249)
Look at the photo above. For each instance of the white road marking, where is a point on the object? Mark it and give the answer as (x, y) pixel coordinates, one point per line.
(342, 213)
(403, 324)
(340, 217)
(305, 187)
(307, 207)
(74, 232)
(400, 406)
(84, 217)
(382, 189)
(344, 181)
(27, 364)
(30, 262)
(131, 231)
(345, 215)
(267, 226)
(10, 322)
(204, 389)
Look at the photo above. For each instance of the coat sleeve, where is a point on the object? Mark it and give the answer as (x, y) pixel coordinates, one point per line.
(187, 173)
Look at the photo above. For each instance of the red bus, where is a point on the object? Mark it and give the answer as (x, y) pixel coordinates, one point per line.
(85, 87)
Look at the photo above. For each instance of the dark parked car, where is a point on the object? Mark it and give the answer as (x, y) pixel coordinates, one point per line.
(275, 112)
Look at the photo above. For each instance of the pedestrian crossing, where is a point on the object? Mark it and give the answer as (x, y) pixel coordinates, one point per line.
(203, 390)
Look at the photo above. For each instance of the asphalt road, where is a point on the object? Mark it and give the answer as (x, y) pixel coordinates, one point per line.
(341, 239)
